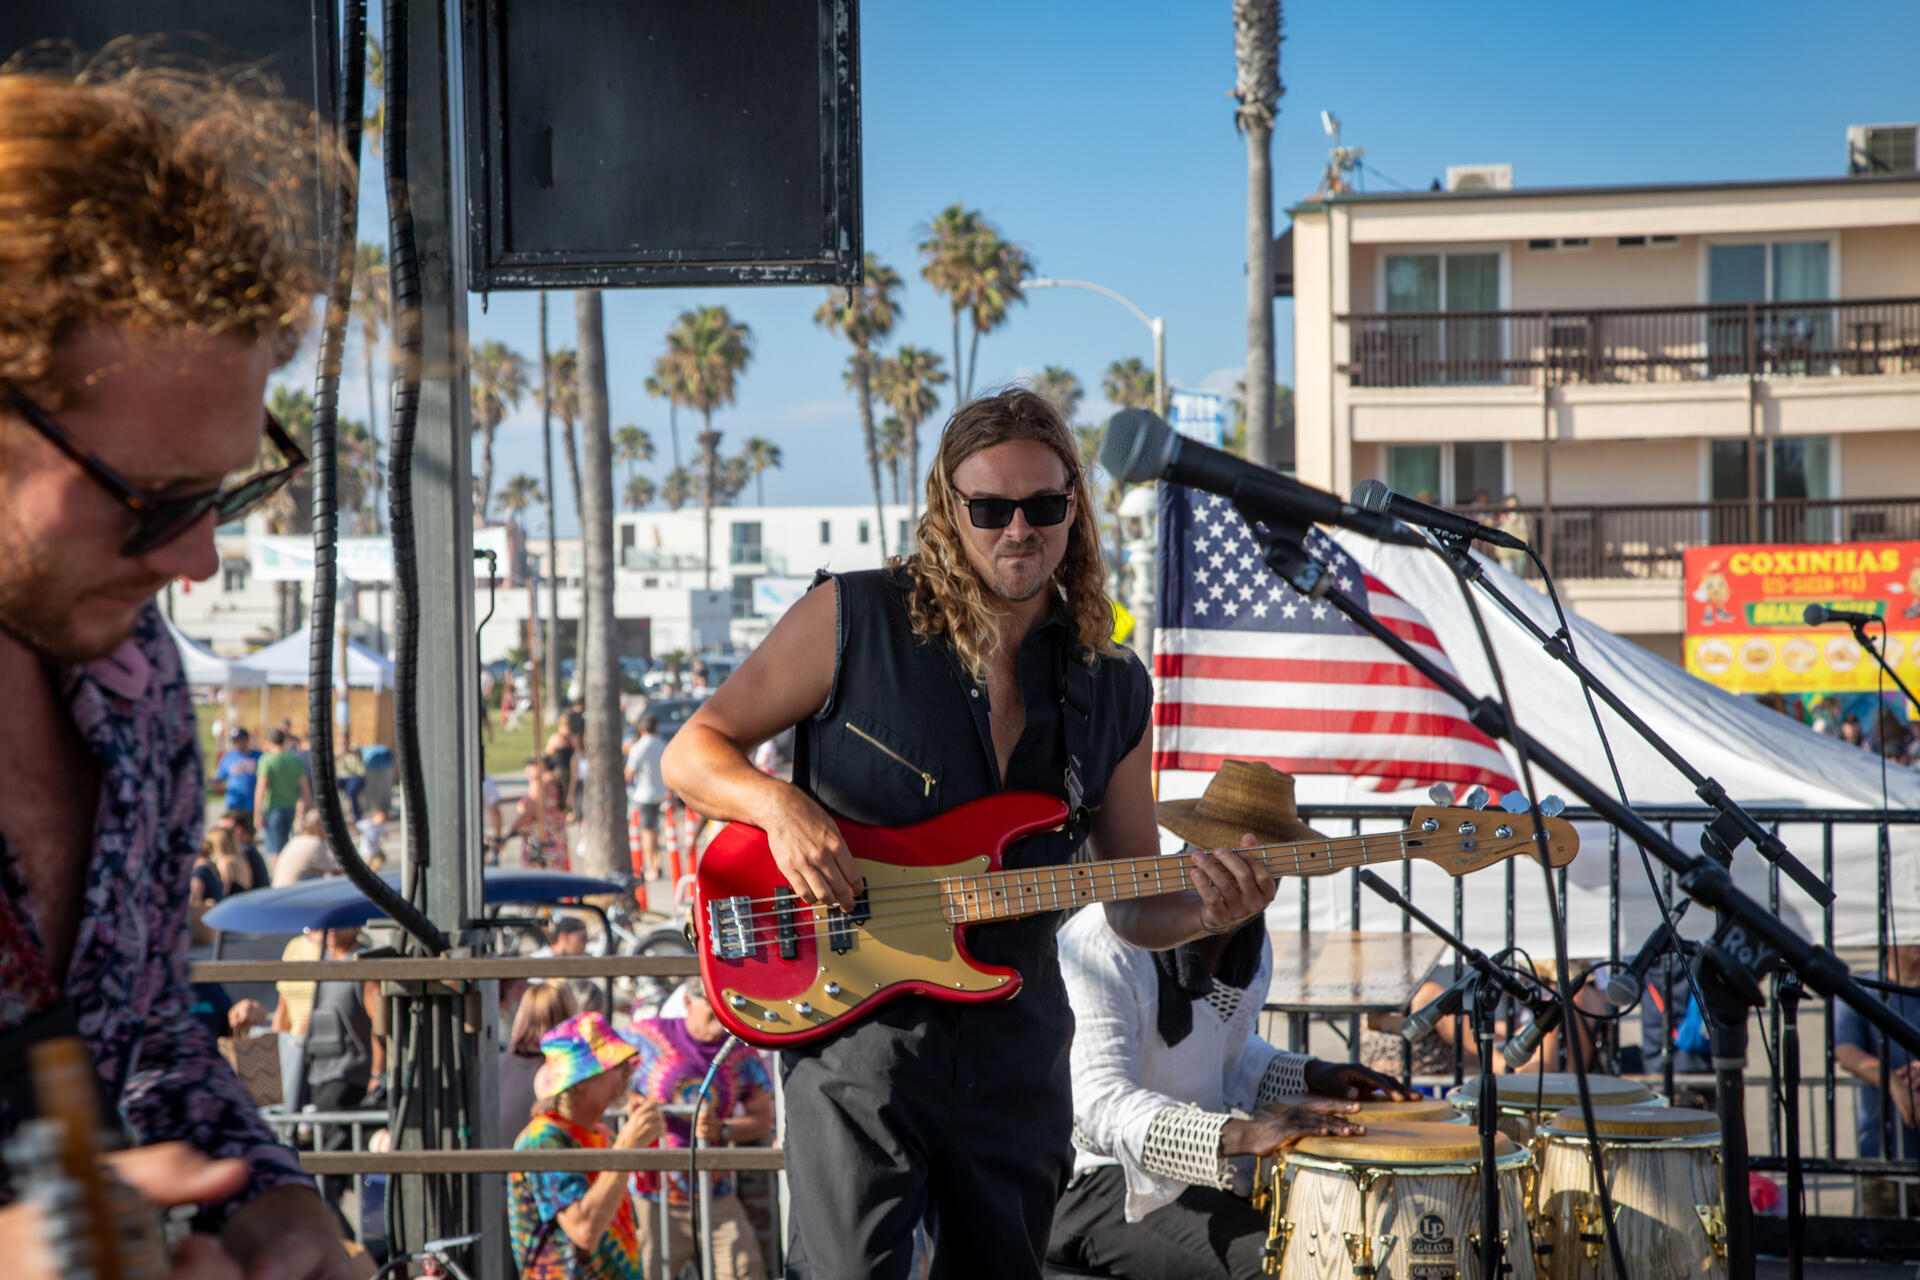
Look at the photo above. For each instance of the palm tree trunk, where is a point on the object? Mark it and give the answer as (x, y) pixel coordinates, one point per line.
(574, 475)
(863, 366)
(550, 659)
(372, 498)
(673, 430)
(603, 826)
(485, 497)
(973, 360)
(1263, 450)
(710, 468)
(963, 396)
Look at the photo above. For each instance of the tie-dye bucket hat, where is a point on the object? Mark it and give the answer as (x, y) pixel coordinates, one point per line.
(578, 1049)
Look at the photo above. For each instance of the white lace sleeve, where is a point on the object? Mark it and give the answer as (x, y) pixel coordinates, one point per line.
(1184, 1143)
(1285, 1074)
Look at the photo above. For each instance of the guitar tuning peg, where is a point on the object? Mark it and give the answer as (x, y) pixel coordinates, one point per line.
(1514, 802)
(1552, 806)
(1440, 793)
(1478, 798)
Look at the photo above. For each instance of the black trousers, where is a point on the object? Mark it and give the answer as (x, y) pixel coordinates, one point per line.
(960, 1115)
(1206, 1234)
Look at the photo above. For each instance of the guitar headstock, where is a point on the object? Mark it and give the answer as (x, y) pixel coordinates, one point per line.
(1462, 840)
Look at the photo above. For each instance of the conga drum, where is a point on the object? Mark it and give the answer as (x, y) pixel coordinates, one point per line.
(1663, 1172)
(1401, 1202)
(1384, 1111)
(1526, 1101)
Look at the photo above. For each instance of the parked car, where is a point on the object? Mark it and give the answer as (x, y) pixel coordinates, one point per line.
(672, 713)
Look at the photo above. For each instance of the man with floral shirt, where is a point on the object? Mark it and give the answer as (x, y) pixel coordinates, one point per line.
(150, 280)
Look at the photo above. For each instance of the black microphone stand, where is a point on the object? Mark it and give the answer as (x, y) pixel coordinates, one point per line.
(1788, 991)
(1483, 1000)
(1750, 939)
(1860, 636)
(1724, 834)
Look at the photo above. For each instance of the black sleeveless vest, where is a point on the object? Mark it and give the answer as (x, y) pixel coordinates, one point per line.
(905, 734)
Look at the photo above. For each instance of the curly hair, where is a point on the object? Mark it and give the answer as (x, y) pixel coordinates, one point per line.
(947, 596)
(152, 200)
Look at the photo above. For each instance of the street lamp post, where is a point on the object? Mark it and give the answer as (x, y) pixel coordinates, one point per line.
(1155, 324)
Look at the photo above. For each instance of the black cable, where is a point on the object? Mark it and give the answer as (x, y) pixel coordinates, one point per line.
(404, 281)
(326, 475)
(1569, 1012)
(693, 1150)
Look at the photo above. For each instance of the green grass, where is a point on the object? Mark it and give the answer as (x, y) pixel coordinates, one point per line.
(506, 751)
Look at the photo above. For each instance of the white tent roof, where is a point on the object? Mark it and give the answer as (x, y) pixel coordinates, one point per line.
(1764, 759)
(286, 662)
(203, 666)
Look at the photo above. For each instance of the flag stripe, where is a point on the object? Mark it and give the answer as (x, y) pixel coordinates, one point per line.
(1201, 715)
(1398, 771)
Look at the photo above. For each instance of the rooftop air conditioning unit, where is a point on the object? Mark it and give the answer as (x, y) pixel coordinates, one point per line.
(1882, 148)
(1479, 177)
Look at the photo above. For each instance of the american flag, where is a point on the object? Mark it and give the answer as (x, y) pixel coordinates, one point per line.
(1248, 669)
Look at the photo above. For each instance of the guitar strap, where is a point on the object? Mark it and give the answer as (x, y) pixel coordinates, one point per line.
(1076, 710)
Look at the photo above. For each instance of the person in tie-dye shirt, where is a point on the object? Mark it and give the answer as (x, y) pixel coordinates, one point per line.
(675, 1056)
(579, 1226)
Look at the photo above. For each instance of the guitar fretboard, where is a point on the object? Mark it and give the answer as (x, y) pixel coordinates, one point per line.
(1005, 895)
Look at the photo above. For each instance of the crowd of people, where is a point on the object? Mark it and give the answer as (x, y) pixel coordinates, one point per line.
(1885, 732)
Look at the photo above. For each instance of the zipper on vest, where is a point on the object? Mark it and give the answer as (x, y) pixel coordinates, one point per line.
(925, 777)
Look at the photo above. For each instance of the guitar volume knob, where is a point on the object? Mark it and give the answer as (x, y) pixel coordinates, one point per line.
(737, 1000)
(832, 989)
(804, 1009)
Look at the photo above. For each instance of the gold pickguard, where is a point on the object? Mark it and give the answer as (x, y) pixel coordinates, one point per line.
(919, 947)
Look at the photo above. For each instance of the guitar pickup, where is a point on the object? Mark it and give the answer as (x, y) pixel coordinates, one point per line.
(730, 927)
(785, 931)
(840, 924)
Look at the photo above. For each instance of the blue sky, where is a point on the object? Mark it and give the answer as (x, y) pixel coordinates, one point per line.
(1100, 136)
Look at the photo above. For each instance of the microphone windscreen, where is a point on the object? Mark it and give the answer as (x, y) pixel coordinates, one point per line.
(1371, 495)
(1132, 446)
(1815, 615)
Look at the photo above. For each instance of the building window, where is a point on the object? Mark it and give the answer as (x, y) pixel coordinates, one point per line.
(865, 533)
(1468, 348)
(233, 575)
(826, 532)
(626, 539)
(743, 597)
(905, 535)
(1796, 480)
(1461, 475)
(746, 543)
(649, 582)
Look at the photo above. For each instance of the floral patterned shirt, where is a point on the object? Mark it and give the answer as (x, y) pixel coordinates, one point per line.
(127, 981)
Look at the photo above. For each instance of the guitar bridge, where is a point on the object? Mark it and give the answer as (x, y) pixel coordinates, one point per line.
(730, 927)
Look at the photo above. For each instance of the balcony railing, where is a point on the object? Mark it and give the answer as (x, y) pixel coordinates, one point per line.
(1646, 541)
(1851, 338)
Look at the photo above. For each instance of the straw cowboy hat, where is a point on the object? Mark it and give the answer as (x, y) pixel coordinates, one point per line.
(1245, 795)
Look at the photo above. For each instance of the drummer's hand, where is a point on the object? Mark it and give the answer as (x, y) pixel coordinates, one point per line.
(1233, 889)
(1351, 1080)
(1287, 1125)
(807, 847)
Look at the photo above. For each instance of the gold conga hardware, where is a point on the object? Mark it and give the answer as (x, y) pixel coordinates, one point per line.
(1473, 1249)
(1313, 1242)
(1360, 1251)
(1592, 1240)
(1274, 1252)
(1715, 1221)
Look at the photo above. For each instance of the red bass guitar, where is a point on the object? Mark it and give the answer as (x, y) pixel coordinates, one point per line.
(780, 973)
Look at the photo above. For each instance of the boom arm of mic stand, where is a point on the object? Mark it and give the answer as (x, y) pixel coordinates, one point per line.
(1734, 823)
(1860, 635)
(1766, 937)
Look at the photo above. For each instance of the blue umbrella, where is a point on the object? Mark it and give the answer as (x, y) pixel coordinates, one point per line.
(334, 902)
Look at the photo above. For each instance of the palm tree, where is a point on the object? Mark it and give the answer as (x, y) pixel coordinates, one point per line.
(709, 349)
(632, 446)
(664, 384)
(760, 455)
(734, 475)
(677, 489)
(864, 315)
(359, 476)
(499, 382)
(1128, 383)
(547, 662)
(639, 493)
(604, 821)
(291, 510)
(1060, 388)
(1236, 436)
(520, 493)
(892, 449)
(374, 126)
(563, 377)
(1257, 89)
(907, 380)
(979, 272)
(372, 303)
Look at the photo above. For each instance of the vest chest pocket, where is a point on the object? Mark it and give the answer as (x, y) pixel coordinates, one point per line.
(894, 765)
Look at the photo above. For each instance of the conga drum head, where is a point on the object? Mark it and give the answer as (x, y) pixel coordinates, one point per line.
(1553, 1091)
(1419, 1111)
(1398, 1143)
(1635, 1123)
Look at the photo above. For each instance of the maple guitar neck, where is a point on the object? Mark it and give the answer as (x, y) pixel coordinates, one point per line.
(1005, 895)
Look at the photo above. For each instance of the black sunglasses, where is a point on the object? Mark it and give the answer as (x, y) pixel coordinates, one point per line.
(1042, 510)
(159, 520)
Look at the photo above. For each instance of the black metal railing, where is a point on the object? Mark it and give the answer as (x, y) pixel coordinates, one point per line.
(1849, 338)
(1645, 540)
(1810, 833)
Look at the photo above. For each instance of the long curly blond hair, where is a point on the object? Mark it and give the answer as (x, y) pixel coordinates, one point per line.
(151, 199)
(948, 598)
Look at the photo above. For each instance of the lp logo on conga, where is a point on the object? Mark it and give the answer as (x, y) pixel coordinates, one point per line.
(1431, 1240)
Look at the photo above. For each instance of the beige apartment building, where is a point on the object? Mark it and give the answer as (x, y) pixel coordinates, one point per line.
(1644, 368)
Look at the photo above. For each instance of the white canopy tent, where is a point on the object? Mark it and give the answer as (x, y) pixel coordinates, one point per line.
(203, 666)
(287, 662)
(1764, 759)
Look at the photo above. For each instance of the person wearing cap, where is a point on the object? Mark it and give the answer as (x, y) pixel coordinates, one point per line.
(238, 769)
(579, 1226)
(1164, 1050)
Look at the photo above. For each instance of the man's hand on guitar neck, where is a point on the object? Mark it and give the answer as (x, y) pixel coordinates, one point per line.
(1232, 889)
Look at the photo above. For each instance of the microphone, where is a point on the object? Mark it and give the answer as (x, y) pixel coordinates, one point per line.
(1624, 987)
(1819, 615)
(1139, 446)
(1421, 1023)
(1546, 1016)
(1371, 495)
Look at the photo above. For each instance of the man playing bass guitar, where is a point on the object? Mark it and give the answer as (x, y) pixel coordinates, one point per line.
(982, 662)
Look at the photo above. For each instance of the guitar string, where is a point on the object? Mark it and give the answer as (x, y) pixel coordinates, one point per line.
(1061, 890)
